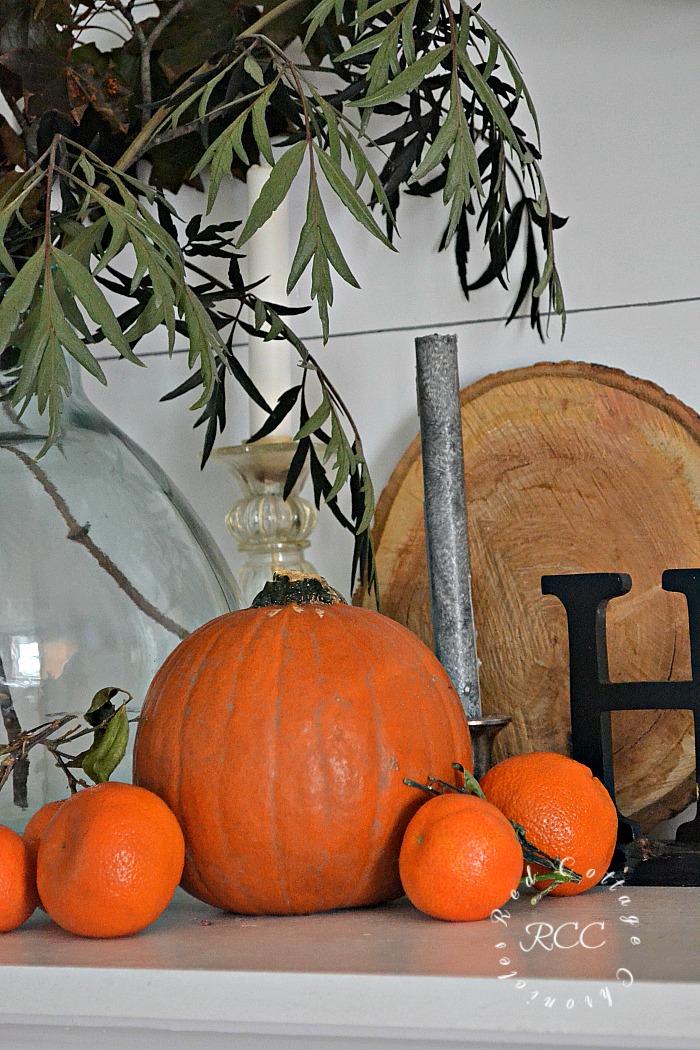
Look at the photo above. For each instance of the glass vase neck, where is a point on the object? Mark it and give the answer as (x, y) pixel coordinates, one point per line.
(15, 422)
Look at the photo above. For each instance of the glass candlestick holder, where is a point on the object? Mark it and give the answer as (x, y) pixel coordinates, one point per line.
(270, 531)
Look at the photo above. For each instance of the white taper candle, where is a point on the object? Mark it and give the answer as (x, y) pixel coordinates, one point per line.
(269, 364)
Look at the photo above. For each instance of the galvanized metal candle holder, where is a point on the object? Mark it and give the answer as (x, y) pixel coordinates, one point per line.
(446, 533)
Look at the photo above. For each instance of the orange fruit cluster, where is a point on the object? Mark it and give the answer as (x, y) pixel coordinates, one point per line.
(461, 858)
(103, 863)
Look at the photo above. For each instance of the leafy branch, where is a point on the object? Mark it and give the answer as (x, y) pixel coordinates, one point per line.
(411, 98)
(109, 726)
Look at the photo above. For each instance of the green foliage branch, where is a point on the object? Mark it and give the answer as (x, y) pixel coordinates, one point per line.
(365, 101)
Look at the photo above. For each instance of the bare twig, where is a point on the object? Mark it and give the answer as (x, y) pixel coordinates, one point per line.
(13, 728)
(165, 22)
(79, 534)
(269, 16)
(16, 112)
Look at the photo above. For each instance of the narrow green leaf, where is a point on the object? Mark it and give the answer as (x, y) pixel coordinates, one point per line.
(456, 209)
(87, 169)
(260, 315)
(379, 8)
(362, 164)
(464, 163)
(274, 191)
(220, 154)
(493, 107)
(70, 308)
(407, 20)
(317, 17)
(406, 81)
(219, 168)
(26, 386)
(341, 465)
(260, 132)
(72, 343)
(9, 207)
(492, 59)
(370, 43)
(304, 253)
(81, 243)
(331, 119)
(333, 250)
(441, 143)
(368, 490)
(147, 321)
(316, 420)
(252, 68)
(18, 296)
(88, 292)
(546, 275)
(341, 185)
(322, 289)
(276, 326)
(209, 90)
(117, 242)
(384, 62)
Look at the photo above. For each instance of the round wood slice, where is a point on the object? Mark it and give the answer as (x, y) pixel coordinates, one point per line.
(569, 468)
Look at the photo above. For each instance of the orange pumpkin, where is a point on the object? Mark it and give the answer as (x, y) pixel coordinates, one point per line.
(280, 736)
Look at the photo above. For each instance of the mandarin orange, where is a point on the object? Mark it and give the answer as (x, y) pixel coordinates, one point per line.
(37, 825)
(109, 860)
(566, 812)
(460, 858)
(18, 897)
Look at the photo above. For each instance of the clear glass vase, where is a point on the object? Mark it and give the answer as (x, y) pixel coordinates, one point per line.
(104, 568)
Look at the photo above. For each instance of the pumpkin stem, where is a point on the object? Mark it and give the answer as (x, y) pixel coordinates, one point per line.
(297, 588)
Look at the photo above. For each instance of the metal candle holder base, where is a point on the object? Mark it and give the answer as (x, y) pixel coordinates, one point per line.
(483, 733)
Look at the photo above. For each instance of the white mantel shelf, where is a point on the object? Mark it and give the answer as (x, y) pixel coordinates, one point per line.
(368, 978)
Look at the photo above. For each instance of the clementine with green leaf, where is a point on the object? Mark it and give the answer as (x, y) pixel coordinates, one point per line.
(566, 812)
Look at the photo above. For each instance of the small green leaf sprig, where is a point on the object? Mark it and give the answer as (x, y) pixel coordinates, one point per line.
(106, 721)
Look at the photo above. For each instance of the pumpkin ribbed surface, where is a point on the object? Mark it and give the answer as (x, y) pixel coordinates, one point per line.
(280, 738)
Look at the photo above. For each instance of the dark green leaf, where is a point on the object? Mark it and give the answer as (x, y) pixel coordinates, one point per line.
(274, 191)
(296, 466)
(284, 406)
(347, 193)
(18, 296)
(108, 749)
(406, 81)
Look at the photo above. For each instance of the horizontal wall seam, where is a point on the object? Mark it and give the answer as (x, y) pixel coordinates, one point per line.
(435, 325)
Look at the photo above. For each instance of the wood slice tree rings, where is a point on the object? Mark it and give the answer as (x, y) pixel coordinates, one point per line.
(569, 468)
